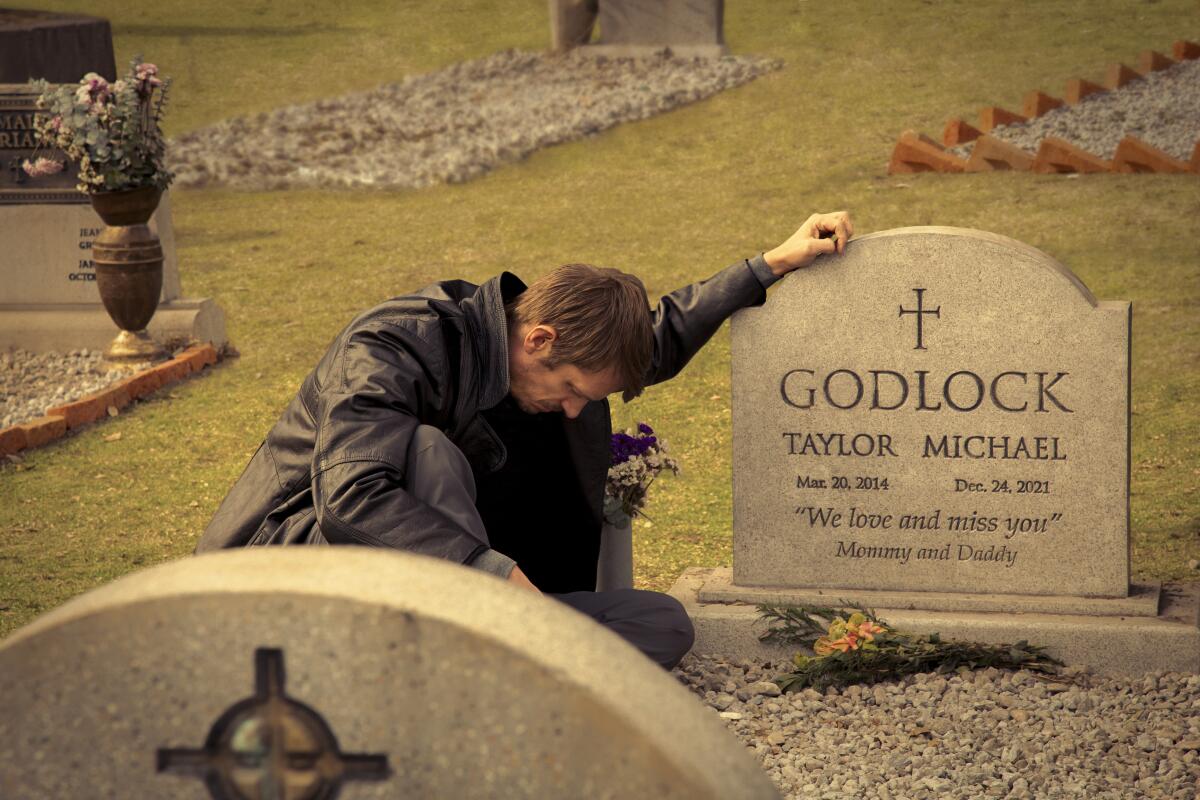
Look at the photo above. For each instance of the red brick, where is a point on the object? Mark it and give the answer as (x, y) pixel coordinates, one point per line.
(1119, 75)
(958, 132)
(1185, 51)
(116, 395)
(173, 370)
(1153, 61)
(199, 356)
(915, 152)
(1078, 88)
(43, 429)
(994, 116)
(1038, 103)
(1195, 163)
(83, 411)
(1058, 155)
(208, 354)
(12, 439)
(991, 154)
(1134, 155)
(142, 384)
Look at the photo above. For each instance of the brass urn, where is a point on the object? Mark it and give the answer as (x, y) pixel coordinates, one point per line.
(129, 272)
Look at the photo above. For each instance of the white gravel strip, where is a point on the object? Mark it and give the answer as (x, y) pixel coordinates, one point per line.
(1162, 109)
(30, 383)
(983, 734)
(448, 126)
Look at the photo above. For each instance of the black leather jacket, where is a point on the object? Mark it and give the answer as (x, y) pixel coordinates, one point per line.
(331, 470)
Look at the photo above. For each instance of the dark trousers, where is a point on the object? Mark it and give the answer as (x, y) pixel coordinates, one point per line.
(655, 623)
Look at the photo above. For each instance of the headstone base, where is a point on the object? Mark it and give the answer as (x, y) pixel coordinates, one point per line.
(64, 327)
(1119, 643)
(652, 50)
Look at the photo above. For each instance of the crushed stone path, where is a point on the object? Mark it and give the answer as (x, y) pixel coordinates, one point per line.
(451, 125)
(982, 734)
(1162, 109)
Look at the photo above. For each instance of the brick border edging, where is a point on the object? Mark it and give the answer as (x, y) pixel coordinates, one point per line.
(86, 410)
(915, 152)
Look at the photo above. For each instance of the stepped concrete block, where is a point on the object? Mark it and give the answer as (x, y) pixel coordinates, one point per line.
(1119, 75)
(1153, 61)
(991, 154)
(1038, 103)
(43, 429)
(994, 116)
(915, 152)
(1108, 645)
(1134, 155)
(60, 326)
(1078, 88)
(959, 132)
(1057, 155)
(1184, 50)
(12, 440)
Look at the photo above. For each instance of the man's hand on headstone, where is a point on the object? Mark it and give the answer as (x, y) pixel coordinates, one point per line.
(518, 577)
(820, 233)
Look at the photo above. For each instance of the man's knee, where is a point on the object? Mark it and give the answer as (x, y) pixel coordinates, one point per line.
(682, 632)
(669, 630)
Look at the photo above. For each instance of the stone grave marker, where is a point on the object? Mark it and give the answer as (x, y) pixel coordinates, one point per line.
(48, 295)
(940, 410)
(632, 28)
(291, 672)
(937, 422)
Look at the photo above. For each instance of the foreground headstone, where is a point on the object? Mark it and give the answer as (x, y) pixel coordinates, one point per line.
(276, 673)
(938, 421)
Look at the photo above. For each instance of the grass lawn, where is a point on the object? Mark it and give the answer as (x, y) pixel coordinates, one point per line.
(673, 199)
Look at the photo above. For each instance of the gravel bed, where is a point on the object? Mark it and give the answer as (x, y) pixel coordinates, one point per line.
(1162, 109)
(30, 383)
(448, 126)
(982, 734)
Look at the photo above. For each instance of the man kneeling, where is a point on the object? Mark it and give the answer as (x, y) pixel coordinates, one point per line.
(471, 423)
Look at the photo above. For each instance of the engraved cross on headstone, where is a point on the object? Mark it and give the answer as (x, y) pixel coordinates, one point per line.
(271, 746)
(920, 311)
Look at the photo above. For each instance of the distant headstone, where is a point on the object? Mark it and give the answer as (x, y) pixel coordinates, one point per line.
(305, 672)
(60, 48)
(571, 22)
(935, 425)
(48, 295)
(640, 27)
(937, 410)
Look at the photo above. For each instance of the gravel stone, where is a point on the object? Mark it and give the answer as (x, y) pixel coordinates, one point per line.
(448, 126)
(1162, 109)
(983, 734)
(31, 383)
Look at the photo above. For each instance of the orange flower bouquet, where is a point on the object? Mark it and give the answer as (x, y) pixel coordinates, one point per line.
(860, 648)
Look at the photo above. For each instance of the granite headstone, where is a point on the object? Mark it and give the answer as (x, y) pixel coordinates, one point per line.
(48, 295)
(302, 672)
(936, 410)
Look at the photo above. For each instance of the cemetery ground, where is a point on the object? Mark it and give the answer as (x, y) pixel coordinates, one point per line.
(673, 199)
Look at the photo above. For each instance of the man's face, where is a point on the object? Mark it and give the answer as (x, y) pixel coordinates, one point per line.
(539, 389)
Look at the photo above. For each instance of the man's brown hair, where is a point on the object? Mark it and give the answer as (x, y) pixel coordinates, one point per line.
(601, 316)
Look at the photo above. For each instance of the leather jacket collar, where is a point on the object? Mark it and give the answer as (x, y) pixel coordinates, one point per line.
(484, 312)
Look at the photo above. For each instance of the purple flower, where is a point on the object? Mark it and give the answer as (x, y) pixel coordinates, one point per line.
(646, 429)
